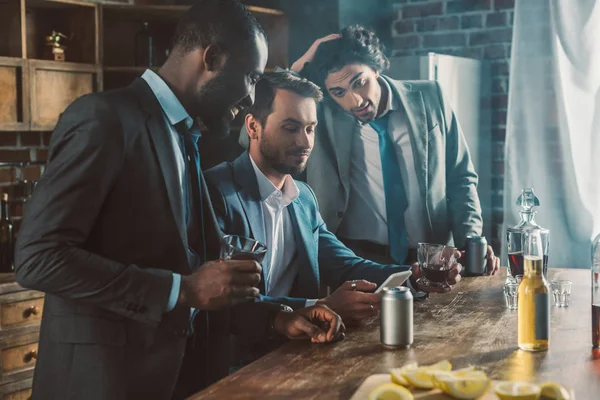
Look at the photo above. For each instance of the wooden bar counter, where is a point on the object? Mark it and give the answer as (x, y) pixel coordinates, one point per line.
(468, 326)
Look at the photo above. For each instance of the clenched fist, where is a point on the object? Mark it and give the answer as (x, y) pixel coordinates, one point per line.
(220, 284)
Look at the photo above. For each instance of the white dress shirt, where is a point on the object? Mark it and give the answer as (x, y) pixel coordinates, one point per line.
(366, 218)
(278, 269)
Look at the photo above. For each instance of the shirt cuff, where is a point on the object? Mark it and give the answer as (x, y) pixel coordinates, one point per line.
(310, 302)
(174, 295)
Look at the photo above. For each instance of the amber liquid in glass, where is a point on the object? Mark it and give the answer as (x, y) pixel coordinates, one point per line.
(534, 307)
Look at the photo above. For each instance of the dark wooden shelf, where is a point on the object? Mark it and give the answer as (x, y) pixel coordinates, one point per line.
(59, 3)
(166, 11)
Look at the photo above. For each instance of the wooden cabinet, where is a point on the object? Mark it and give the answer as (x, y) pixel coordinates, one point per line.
(14, 98)
(54, 85)
(20, 317)
(100, 51)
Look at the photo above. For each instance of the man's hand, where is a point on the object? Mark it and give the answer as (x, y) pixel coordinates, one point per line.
(492, 263)
(352, 303)
(453, 277)
(220, 284)
(310, 53)
(319, 323)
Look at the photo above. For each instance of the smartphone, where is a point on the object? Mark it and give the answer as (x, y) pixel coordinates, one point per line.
(393, 280)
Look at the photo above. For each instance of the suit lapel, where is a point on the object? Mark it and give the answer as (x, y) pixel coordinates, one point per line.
(161, 140)
(308, 252)
(414, 108)
(210, 229)
(344, 128)
(249, 196)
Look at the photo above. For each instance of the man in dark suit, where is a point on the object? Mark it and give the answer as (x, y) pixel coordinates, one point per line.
(120, 231)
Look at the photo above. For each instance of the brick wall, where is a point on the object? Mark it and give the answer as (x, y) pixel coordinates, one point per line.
(21, 147)
(480, 29)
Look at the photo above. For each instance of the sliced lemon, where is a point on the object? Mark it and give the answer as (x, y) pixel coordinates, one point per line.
(554, 391)
(464, 371)
(397, 373)
(467, 383)
(420, 377)
(517, 391)
(466, 388)
(440, 366)
(390, 391)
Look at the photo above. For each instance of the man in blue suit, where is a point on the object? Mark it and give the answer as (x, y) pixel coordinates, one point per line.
(256, 196)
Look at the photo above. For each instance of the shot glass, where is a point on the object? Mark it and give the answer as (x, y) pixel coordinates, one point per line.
(511, 291)
(561, 291)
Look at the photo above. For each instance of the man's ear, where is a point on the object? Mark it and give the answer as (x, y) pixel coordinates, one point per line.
(213, 58)
(252, 126)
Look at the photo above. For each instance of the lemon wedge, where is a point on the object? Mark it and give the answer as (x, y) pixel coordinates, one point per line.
(517, 391)
(440, 366)
(554, 391)
(398, 373)
(390, 391)
(422, 377)
(467, 383)
(464, 371)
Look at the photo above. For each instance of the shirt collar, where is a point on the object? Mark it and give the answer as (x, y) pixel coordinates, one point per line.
(170, 104)
(267, 190)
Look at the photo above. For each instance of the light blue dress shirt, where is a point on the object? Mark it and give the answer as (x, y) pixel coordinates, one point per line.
(173, 113)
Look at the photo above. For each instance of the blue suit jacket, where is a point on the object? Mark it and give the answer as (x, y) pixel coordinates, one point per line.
(322, 257)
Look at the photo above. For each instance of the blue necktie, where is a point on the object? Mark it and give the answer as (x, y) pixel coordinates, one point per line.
(396, 202)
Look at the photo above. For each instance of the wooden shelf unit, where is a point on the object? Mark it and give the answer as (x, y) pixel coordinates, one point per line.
(14, 90)
(99, 56)
(54, 85)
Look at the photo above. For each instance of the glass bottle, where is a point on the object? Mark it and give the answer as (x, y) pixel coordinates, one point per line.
(596, 292)
(534, 296)
(514, 236)
(144, 48)
(6, 238)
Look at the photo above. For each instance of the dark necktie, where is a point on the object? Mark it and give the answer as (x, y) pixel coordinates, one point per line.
(396, 201)
(193, 199)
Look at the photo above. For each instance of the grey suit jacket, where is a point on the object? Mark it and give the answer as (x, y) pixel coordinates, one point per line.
(322, 258)
(447, 179)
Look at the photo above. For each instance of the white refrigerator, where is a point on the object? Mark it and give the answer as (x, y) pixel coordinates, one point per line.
(466, 83)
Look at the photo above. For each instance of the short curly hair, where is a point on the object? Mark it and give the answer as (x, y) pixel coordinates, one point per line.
(356, 45)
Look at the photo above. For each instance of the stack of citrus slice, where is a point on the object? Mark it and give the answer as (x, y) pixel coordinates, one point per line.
(467, 383)
(531, 391)
(390, 391)
(420, 377)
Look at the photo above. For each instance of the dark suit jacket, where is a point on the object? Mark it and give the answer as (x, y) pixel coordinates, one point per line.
(102, 235)
(321, 256)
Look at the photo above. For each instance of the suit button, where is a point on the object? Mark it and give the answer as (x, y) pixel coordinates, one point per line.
(340, 214)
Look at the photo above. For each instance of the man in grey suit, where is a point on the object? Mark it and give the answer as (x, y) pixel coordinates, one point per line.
(391, 167)
(120, 231)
